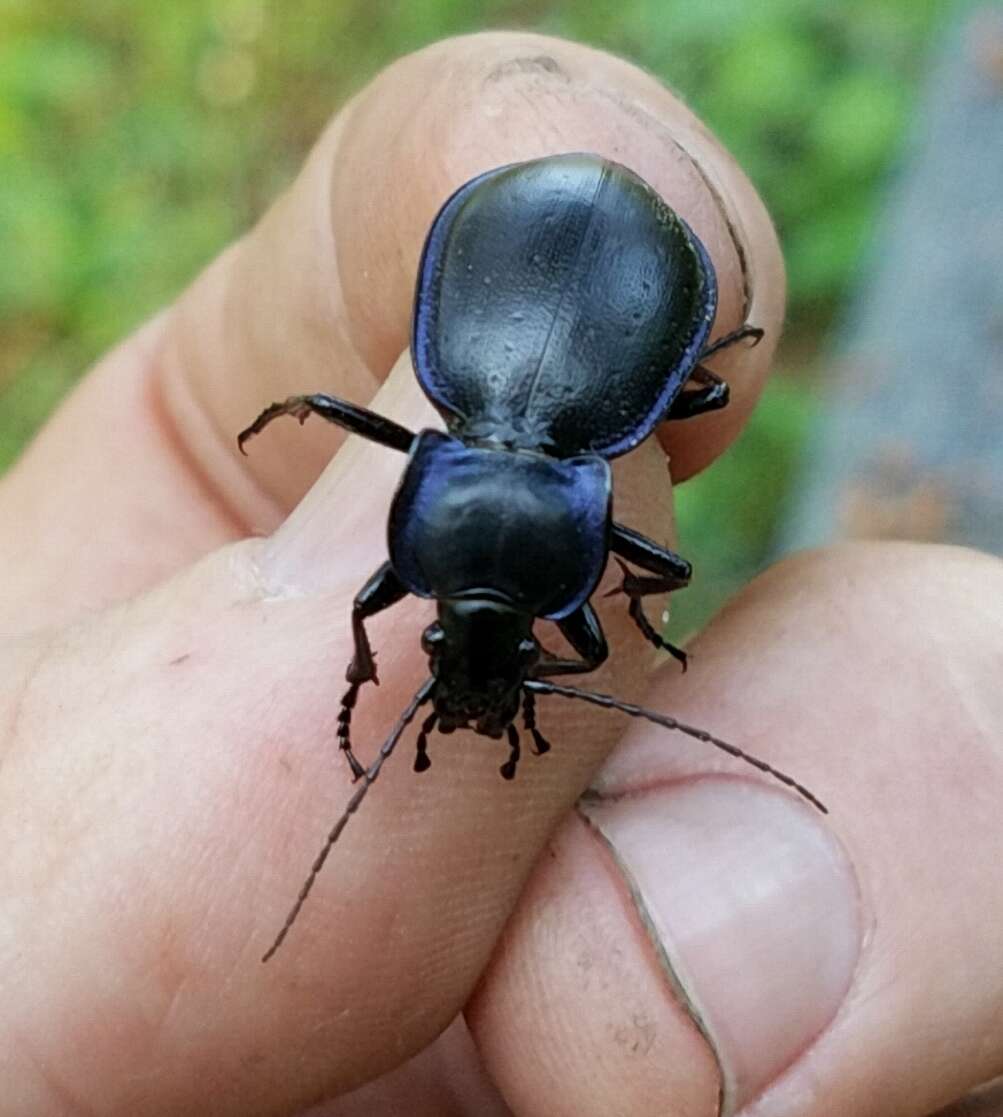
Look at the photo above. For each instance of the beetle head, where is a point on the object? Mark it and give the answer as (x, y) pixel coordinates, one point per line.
(480, 652)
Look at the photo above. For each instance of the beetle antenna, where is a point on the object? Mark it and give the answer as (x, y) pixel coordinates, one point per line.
(367, 779)
(540, 686)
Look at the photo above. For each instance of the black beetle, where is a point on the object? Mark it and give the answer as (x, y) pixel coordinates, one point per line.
(561, 309)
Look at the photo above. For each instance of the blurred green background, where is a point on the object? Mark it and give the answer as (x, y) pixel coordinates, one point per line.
(138, 138)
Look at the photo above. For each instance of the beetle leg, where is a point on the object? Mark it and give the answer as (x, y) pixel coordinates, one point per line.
(728, 340)
(584, 633)
(668, 571)
(713, 393)
(356, 420)
(672, 571)
(529, 721)
(382, 590)
(698, 401)
(421, 761)
(508, 768)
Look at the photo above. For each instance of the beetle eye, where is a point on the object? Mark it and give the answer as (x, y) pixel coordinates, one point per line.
(432, 638)
(529, 651)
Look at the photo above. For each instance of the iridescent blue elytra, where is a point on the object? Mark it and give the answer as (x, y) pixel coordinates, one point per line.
(562, 310)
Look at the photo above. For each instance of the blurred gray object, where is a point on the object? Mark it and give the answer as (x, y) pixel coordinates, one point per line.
(911, 443)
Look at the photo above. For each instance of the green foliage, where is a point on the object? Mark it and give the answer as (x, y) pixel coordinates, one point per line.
(728, 516)
(136, 139)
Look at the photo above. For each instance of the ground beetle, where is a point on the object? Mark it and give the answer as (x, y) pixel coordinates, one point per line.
(561, 310)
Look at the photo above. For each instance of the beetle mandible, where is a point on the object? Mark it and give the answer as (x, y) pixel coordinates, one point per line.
(562, 310)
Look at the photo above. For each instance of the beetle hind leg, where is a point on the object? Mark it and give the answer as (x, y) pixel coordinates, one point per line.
(743, 333)
(713, 392)
(668, 572)
(635, 588)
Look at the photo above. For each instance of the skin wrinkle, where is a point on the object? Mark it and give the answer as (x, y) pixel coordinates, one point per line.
(178, 449)
(36, 666)
(343, 322)
(539, 66)
(623, 881)
(348, 325)
(967, 697)
(69, 1104)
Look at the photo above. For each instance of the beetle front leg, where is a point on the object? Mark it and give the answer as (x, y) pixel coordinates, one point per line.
(355, 420)
(382, 590)
(540, 743)
(670, 572)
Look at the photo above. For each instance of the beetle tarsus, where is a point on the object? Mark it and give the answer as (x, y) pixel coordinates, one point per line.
(382, 590)
(508, 768)
(421, 760)
(540, 743)
(636, 612)
(743, 333)
(635, 588)
(348, 701)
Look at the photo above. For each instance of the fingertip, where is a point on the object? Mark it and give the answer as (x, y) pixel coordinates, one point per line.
(319, 294)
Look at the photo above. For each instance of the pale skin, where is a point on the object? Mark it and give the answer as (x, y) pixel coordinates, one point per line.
(169, 682)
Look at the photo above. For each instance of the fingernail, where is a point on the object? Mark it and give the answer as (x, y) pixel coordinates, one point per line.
(753, 905)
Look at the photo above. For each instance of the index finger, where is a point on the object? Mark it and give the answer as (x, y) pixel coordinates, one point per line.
(138, 473)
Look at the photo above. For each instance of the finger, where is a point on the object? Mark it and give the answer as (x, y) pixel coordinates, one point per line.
(803, 965)
(166, 852)
(985, 1101)
(355, 305)
(138, 472)
(246, 653)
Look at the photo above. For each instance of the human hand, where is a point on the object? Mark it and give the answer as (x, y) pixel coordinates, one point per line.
(170, 688)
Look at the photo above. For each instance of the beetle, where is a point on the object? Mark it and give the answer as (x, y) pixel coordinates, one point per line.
(562, 310)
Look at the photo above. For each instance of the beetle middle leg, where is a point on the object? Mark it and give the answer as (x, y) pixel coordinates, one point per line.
(669, 572)
(382, 590)
(584, 633)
